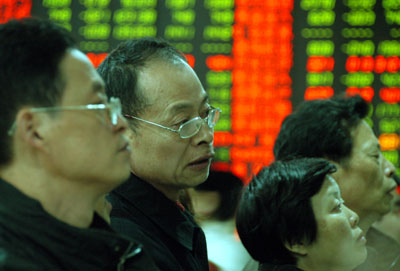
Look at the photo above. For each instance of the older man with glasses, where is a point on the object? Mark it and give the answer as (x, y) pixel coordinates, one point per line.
(55, 121)
(171, 123)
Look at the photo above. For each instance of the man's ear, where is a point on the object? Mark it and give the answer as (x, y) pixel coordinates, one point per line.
(29, 127)
(298, 248)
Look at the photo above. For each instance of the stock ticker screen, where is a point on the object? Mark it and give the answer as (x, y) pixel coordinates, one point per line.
(257, 59)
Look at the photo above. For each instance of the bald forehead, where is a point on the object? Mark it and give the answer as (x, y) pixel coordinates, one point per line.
(171, 87)
(152, 77)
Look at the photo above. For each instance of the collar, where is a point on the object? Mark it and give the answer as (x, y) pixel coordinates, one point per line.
(277, 267)
(153, 204)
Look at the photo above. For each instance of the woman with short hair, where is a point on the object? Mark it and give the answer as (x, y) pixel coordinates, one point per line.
(292, 217)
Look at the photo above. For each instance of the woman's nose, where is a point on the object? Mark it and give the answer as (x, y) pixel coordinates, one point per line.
(353, 217)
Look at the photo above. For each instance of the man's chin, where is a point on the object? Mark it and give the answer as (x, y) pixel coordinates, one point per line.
(386, 208)
(197, 179)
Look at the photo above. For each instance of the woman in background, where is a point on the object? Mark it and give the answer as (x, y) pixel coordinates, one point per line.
(292, 217)
(214, 203)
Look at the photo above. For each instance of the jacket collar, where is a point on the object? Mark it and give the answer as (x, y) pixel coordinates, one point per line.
(165, 213)
(277, 267)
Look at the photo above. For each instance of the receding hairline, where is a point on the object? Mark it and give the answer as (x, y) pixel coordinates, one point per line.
(176, 62)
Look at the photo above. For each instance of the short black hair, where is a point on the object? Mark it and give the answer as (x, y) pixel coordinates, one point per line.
(229, 187)
(321, 128)
(30, 53)
(275, 208)
(120, 70)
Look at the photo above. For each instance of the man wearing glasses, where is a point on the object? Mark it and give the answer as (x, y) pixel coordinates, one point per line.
(55, 121)
(172, 125)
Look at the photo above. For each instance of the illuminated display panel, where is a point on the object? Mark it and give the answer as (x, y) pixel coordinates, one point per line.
(262, 58)
(257, 59)
(351, 46)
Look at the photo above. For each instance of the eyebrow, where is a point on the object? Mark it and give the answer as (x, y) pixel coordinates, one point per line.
(373, 146)
(183, 106)
(334, 193)
(98, 88)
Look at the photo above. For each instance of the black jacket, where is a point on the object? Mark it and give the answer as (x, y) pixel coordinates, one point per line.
(169, 234)
(31, 239)
(276, 267)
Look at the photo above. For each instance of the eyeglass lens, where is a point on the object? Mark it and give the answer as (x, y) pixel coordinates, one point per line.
(193, 127)
(114, 110)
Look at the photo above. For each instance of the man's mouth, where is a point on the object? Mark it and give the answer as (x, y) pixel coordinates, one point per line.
(201, 160)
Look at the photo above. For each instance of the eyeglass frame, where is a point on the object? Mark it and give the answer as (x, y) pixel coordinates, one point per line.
(178, 131)
(114, 105)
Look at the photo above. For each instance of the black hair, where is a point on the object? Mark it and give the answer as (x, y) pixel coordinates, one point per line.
(120, 71)
(229, 187)
(321, 128)
(30, 53)
(275, 208)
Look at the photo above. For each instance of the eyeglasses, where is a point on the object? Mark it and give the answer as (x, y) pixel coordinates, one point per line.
(113, 107)
(191, 127)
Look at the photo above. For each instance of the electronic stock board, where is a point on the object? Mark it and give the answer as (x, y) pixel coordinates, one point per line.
(257, 59)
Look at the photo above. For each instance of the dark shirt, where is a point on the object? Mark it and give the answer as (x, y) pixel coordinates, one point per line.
(170, 234)
(383, 252)
(31, 239)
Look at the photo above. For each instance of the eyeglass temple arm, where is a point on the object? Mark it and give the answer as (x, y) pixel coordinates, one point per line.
(57, 108)
(72, 107)
(152, 123)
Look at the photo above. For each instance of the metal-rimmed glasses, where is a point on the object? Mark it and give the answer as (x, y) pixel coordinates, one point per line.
(191, 127)
(113, 107)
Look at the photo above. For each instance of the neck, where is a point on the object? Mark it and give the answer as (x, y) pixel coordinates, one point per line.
(66, 200)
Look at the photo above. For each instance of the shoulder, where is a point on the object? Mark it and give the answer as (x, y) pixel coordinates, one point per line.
(141, 261)
(155, 242)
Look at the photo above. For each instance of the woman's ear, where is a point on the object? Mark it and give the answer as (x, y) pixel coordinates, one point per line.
(298, 248)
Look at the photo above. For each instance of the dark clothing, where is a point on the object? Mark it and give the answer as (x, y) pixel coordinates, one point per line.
(383, 252)
(31, 239)
(170, 235)
(277, 267)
